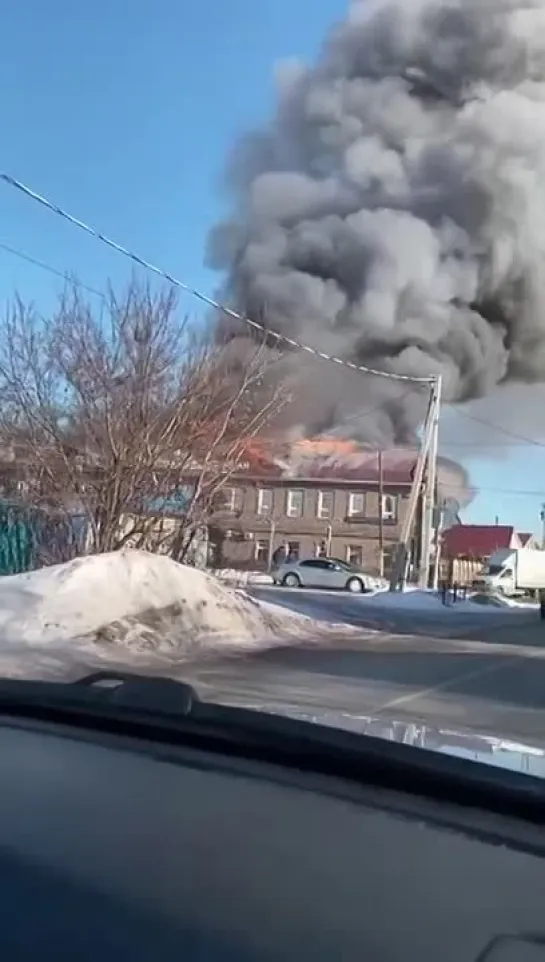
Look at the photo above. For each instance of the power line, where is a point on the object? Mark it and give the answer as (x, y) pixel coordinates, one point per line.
(518, 492)
(204, 298)
(67, 277)
(51, 270)
(380, 407)
(360, 414)
(509, 433)
(479, 445)
(71, 280)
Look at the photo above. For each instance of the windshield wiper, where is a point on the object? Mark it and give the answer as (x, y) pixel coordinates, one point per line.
(101, 695)
(144, 692)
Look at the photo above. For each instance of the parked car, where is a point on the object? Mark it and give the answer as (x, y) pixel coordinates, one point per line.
(322, 573)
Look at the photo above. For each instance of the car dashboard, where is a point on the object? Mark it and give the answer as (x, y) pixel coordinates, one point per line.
(112, 847)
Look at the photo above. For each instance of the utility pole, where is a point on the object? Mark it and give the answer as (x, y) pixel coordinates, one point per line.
(427, 460)
(542, 517)
(421, 524)
(272, 532)
(429, 499)
(439, 524)
(380, 515)
(401, 561)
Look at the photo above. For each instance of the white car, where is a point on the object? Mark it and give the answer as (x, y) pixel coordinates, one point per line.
(322, 573)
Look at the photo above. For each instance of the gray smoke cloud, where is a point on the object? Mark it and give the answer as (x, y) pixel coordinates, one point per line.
(393, 212)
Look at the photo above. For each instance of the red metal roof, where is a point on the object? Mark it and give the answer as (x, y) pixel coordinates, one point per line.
(326, 459)
(333, 459)
(476, 540)
(397, 467)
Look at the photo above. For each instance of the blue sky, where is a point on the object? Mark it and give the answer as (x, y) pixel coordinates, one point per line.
(122, 113)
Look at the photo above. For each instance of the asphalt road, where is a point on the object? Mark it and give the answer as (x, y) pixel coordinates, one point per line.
(368, 612)
(481, 673)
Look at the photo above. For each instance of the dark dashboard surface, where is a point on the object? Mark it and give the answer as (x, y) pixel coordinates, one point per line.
(107, 852)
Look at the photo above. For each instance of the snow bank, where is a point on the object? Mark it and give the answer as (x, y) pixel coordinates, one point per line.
(139, 600)
(418, 600)
(231, 576)
(377, 585)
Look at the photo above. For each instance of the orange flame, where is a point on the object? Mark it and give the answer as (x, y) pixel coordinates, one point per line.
(324, 446)
(263, 449)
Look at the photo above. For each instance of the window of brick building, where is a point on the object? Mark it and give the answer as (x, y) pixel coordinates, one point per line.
(261, 551)
(354, 554)
(264, 501)
(325, 504)
(388, 556)
(356, 504)
(294, 549)
(294, 504)
(389, 507)
(233, 499)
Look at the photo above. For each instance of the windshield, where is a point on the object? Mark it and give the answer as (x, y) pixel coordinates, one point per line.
(303, 447)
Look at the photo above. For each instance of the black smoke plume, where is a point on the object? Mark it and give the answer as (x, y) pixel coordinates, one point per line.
(393, 211)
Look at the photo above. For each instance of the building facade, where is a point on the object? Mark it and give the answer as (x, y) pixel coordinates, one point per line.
(344, 518)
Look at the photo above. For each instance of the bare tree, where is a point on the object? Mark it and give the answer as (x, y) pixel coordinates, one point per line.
(127, 416)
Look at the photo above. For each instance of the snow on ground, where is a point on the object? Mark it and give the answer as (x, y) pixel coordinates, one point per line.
(378, 584)
(518, 604)
(130, 605)
(231, 576)
(411, 600)
(141, 611)
(418, 600)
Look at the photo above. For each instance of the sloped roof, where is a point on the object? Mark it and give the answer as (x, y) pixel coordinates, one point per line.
(327, 459)
(345, 461)
(397, 467)
(476, 540)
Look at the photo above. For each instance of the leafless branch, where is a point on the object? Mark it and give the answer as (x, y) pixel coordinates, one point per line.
(128, 416)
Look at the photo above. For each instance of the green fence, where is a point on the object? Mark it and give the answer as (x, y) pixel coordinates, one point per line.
(18, 542)
(31, 538)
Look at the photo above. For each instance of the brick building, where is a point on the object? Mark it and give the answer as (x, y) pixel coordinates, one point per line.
(348, 508)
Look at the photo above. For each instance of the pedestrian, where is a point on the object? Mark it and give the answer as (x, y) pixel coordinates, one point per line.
(279, 556)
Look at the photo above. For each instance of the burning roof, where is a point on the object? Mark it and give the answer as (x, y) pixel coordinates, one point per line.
(344, 460)
(327, 458)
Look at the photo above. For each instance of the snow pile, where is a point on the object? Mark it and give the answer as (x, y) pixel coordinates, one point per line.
(138, 600)
(232, 576)
(377, 584)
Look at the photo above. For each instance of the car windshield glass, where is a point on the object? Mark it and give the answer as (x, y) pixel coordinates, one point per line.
(353, 334)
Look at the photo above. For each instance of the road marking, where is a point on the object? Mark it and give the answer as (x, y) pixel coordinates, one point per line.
(425, 692)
